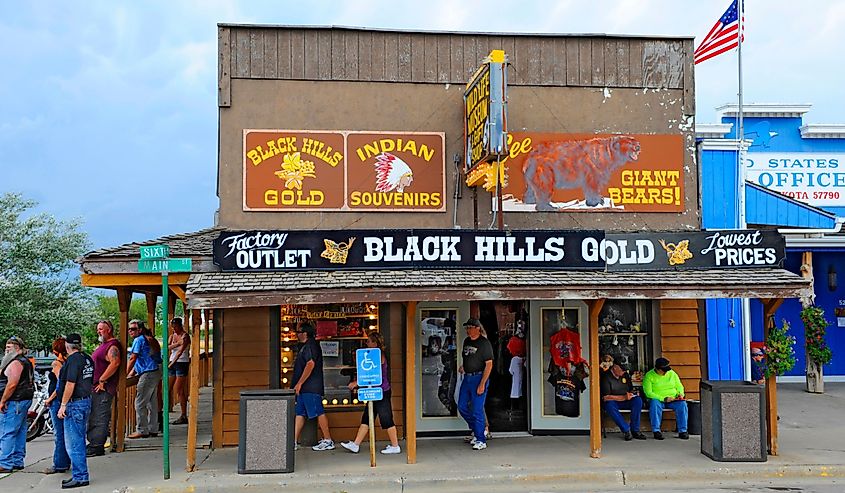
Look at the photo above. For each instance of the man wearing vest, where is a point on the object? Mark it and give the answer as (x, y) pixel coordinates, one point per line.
(16, 392)
(76, 380)
(106, 363)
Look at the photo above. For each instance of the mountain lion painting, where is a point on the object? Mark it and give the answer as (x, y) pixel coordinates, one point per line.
(585, 164)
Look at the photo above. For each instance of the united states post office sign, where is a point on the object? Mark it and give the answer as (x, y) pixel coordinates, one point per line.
(306, 170)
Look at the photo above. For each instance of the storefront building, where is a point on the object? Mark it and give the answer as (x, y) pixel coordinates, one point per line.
(346, 199)
(795, 185)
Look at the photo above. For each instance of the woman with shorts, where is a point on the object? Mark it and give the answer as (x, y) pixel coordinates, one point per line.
(180, 361)
(381, 408)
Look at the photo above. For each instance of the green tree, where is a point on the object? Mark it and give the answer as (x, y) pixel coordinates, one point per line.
(106, 307)
(40, 294)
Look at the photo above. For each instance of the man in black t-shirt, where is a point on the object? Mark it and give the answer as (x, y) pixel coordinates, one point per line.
(308, 384)
(617, 393)
(76, 381)
(477, 364)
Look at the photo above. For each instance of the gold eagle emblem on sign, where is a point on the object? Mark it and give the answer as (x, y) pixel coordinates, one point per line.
(337, 252)
(678, 254)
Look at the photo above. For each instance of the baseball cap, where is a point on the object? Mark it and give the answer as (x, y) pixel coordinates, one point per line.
(74, 338)
(662, 364)
(472, 322)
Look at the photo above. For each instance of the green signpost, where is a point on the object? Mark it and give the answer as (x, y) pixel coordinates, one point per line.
(155, 259)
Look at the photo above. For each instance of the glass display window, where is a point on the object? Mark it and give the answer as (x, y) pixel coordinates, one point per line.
(562, 352)
(625, 333)
(439, 352)
(341, 330)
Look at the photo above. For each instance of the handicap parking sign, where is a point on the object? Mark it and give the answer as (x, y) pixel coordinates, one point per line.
(368, 364)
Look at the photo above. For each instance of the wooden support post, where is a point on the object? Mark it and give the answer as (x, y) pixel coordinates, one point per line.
(152, 300)
(595, 394)
(218, 321)
(193, 409)
(207, 326)
(410, 381)
(124, 299)
(770, 306)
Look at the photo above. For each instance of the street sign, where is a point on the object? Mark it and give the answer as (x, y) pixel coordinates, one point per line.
(368, 363)
(155, 251)
(370, 394)
(149, 266)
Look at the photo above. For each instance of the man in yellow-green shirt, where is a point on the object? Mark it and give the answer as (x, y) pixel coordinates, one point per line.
(664, 389)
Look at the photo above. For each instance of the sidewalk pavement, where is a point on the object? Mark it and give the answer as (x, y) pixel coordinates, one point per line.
(812, 445)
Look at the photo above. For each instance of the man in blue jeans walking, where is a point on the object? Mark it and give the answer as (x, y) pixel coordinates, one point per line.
(16, 391)
(76, 380)
(617, 393)
(477, 364)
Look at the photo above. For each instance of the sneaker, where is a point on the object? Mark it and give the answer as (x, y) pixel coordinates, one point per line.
(683, 435)
(325, 444)
(391, 449)
(351, 446)
(296, 446)
(53, 470)
(181, 420)
(479, 446)
(627, 436)
(638, 435)
(658, 435)
(469, 438)
(488, 435)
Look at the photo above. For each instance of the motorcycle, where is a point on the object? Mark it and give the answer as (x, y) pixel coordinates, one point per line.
(38, 418)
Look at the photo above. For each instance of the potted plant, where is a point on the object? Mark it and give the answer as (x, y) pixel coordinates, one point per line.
(817, 350)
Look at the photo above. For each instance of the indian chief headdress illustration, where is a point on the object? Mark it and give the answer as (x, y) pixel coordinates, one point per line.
(392, 173)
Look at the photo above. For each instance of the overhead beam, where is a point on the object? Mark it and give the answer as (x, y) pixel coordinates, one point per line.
(146, 281)
(180, 292)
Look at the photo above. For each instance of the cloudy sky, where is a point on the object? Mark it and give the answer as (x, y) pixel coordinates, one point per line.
(110, 107)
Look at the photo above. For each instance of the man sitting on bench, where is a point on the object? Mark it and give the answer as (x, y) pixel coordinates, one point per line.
(665, 389)
(617, 393)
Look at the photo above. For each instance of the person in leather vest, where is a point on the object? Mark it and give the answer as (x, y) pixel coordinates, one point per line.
(16, 391)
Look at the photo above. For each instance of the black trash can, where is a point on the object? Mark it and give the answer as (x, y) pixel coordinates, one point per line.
(733, 424)
(694, 417)
(266, 431)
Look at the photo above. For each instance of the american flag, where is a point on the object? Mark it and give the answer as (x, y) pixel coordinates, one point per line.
(723, 36)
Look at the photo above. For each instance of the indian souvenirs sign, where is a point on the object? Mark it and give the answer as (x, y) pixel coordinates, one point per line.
(304, 170)
(488, 249)
(590, 173)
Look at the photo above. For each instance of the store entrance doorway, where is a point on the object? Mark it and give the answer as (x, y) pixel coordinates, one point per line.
(506, 324)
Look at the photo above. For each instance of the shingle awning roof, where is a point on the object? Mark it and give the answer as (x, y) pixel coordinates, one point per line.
(237, 289)
(196, 244)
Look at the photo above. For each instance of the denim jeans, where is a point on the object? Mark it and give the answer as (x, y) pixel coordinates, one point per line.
(98, 422)
(76, 426)
(471, 405)
(656, 408)
(635, 405)
(13, 434)
(60, 458)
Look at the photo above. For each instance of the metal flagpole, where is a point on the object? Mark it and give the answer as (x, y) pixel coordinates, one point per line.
(743, 220)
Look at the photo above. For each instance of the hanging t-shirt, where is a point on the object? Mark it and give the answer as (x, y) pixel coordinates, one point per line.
(476, 353)
(565, 348)
(516, 368)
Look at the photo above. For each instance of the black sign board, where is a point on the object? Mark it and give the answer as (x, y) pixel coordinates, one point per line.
(486, 249)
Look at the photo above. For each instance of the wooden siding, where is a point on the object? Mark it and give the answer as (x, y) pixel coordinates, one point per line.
(246, 339)
(263, 52)
(245, 365)
(679, 339)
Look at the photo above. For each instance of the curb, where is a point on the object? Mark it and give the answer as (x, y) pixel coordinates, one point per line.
(576, 480)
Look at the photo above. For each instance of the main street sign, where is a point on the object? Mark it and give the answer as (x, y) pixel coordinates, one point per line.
(154, 266)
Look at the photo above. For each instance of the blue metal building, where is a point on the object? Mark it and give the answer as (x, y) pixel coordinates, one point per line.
(794, 181)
